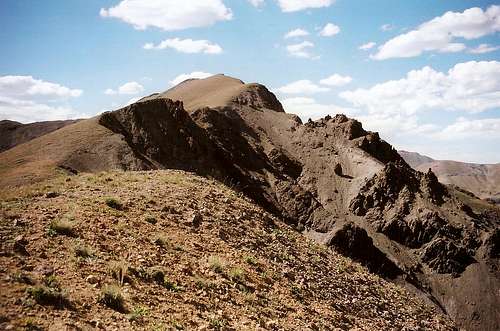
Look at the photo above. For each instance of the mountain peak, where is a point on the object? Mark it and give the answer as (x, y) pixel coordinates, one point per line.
(221, 91)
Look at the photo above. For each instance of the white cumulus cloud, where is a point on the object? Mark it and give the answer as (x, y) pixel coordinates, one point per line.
(169, 15)
(196, 74)
(304, 86)
(29, 87)
(300, 50)
(129, 88)
(483, 48)
(296, 5)
(189, 46)
(257, 3)
(367, 46)
(336, 80)
(464, 128)
(26, 99)
(440, 33)
(471, 87)
(329, 30)
(296, 33)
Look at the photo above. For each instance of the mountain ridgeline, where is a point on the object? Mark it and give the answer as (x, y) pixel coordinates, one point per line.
(330, 179)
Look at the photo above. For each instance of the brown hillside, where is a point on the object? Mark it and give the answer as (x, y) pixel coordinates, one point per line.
(14, 133)
(182, 252)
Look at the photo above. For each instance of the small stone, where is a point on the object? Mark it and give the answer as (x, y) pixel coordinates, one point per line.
(20, 243)
(196, 220)
(45, 270)
(91, 279)
(338, 169)
(51, 195)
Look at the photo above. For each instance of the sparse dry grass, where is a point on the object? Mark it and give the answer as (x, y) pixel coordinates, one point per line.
(111, 296)
(118, 270)
(113, 203)
(63, 226)
(217, 264)
(238, 274)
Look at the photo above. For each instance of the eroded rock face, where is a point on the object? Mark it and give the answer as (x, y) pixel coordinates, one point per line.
(411, 231)
(492, 244)
(396, 184)
(394, 201)
(353, 241)
(444, 256)
(146, 126)
(258, 96)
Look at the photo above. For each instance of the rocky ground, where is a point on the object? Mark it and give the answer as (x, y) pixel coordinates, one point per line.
(167, 250)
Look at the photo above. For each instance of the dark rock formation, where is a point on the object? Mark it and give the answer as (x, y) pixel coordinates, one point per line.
(353, 241)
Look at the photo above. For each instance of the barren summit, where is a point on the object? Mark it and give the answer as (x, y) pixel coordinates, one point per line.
(329, 180)
(220, 91)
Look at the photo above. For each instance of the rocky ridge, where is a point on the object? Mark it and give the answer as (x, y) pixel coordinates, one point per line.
(330, 179)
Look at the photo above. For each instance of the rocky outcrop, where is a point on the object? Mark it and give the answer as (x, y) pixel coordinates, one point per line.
(393, 202)
(444, 256)
(163, 135)
(302, 173)
(353, 241)
(412, 231)
(258, 96)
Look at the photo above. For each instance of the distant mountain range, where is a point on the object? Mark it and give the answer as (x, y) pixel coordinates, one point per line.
(15, 133)
(481, 179)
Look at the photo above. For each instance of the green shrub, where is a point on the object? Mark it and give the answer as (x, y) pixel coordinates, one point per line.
(216, 264)
(114, 203)
(250, 259)
(150, 219)
(46, 295)
(203, 283)
(111, 296)
(176, 325)
(83, 251)
(161, 241)
(171, 286)
(217, 323)
(237, 274)
(62, 226)
(52, 282)
(137, 314)
(157, 275)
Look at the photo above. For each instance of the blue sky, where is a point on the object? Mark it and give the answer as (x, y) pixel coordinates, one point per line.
(60, 57)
